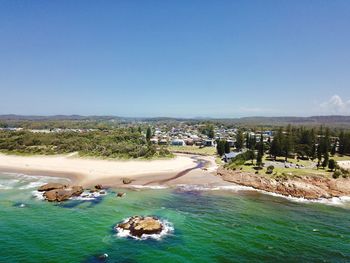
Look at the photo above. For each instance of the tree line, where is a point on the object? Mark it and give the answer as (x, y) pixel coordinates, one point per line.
(117, 143)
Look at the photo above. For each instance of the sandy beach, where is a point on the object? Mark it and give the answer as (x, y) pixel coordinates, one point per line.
(183, 169)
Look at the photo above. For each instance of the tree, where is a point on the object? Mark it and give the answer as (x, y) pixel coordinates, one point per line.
(319, 153)
(148, 133)
(227, 147)
(287, 142)
(276, 144)
(333, 149)
(208, 130)
(220, 147)
(251, 155)
(259, 159)
(211, 133)
(247, 140)
(260, 154)
(332, 164)
(239, 140)
(325, 160)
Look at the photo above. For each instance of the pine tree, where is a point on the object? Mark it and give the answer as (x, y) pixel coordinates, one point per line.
(247, 141)
(325, 160)
(227, 147)
(333, 149)
(275, 149)
(260, 151)
(331, 164)
(239, 140)
(148, 133)
(287, 142)
(220, 147)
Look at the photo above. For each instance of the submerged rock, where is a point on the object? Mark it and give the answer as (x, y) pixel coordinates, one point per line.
(139, 225)
(51, 186)
(103, 256)
(120, 194)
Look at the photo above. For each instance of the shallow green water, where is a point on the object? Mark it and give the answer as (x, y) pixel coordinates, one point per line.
(209, 226)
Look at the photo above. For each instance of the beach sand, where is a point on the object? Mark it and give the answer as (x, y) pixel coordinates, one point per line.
(183, 169)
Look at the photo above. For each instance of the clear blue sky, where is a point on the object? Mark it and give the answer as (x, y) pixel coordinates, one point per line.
(175, 58)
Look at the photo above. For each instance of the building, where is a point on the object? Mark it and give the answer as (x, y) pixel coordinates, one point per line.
(178, 142)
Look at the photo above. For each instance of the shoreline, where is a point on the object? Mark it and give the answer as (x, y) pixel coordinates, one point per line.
(88, 172)
(189, 170)
(307, 187)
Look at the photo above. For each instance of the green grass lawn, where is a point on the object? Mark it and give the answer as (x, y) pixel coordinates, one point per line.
(340, 157)
(287, 172)
(193, 149)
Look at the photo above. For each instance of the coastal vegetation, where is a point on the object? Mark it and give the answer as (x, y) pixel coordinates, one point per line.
(116, 143)
(294, 151)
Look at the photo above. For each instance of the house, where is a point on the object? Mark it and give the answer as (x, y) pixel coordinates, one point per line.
(154, 140)
(163, 142)
(209, 143)
(178, 142)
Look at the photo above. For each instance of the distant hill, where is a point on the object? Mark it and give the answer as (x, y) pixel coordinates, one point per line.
(338, 120)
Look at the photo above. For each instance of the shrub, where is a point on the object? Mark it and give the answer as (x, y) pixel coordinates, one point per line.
(336, 174)
(331, 164)
(269, 169)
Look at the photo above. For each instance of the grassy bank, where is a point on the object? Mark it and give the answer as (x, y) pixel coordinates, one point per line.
(193, 150)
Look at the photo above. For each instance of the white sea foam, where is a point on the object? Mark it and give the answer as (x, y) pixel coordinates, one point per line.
(168, 228)
(25, 181)
(88, 196)
(336, 201)
(32, 185)
(5, 187)
(38, 195)
(155, 187)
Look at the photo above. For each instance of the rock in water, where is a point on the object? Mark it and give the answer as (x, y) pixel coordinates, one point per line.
(77, 190)
(60, 195)
(120, 194)
(139, 225)
(99, 187)
(51, 186)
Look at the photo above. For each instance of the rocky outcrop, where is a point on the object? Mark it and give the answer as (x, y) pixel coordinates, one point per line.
(139, 225)
(51, 186)
(60, 194)
(57, 195)
(309, 187)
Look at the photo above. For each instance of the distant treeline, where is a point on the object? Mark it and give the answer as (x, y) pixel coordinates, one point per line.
(76, 121)
(116, 143)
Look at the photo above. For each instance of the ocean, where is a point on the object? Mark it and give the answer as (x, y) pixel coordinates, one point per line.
(204, 225)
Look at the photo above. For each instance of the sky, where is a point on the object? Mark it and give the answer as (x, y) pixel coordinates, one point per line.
(182, 58)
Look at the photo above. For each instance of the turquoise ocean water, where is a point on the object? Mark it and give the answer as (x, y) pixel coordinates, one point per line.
(209, 226)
